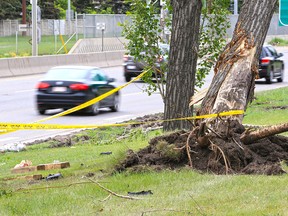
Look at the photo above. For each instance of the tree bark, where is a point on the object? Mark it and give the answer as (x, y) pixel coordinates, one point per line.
(182, 62)
(250, 137)
(233, 84)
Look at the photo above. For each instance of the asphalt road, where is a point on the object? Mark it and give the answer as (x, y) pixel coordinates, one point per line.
(18, 105)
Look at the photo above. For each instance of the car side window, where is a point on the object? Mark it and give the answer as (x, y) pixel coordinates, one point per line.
(263, 53)
(267, 52)
(272, 51)
(97, 75)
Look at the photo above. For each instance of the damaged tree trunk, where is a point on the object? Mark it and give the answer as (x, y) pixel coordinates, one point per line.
(233, 85)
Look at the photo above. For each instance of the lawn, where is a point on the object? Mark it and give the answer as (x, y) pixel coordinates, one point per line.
(173, 192)
(22, 45)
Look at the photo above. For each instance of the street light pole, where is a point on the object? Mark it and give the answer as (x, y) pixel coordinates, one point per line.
(235, 7)
(69, 16)
(34, 28)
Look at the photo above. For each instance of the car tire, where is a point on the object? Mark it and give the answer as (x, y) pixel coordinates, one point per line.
(41, 111)
(94, 109)
(127, 78)
(280, 79)
(115, 107)
(270, 78)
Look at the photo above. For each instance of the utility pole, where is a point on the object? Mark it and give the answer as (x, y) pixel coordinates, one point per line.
(24, 15)
(34, 28)
(69, 16)
(235, 7)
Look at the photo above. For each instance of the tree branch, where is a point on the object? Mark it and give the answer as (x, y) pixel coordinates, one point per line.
(113, 193)
(250, 137)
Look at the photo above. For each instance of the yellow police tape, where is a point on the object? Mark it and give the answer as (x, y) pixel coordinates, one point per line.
(34, 126)
(84, 105)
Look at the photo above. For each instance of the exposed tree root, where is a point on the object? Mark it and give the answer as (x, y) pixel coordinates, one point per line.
(213, 146)
(250, 136)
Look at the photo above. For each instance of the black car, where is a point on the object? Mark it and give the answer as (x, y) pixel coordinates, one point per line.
(133, 68)
(271, 66)
(69, 86)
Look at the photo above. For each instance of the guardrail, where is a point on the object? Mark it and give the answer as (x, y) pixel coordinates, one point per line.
(20, 66)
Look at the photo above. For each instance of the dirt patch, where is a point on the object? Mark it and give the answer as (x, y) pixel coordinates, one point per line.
(62, 140)
(222, 156)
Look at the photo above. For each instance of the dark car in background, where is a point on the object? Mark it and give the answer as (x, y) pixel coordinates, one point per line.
(133, 68)
(69, 86)
(271, 66)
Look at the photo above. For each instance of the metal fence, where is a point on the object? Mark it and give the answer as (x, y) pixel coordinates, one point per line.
(108, 25)
(91, 26)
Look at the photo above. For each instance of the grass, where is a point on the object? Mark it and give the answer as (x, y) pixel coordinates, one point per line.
(182, 192)
(278, 42)
(49, 45)
(268, 108)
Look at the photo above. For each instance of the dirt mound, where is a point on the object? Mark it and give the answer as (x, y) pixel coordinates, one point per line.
(221, 157)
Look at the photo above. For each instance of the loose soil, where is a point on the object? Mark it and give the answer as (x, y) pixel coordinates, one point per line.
(223, 155)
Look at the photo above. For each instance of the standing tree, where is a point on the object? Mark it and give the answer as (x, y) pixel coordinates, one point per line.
(48, 9)
(145, 32)
(10, 9)
(182, 61)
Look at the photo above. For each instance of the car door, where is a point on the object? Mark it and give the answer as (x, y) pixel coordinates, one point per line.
(99, 86)
(277, 63)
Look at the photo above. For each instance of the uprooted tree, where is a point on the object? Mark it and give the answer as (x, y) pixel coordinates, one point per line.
(232, 87)
(222, 144)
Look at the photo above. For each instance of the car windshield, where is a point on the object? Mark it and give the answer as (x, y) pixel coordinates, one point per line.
(66, 74)
(164, 48)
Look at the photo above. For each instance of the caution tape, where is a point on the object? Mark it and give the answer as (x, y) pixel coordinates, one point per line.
(35, 126)
(84, 105)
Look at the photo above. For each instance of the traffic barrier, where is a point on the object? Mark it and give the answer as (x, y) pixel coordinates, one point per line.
(4, 68)
(39, 64)
(116, 58)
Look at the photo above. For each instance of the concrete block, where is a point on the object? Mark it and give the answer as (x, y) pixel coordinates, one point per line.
(4, 68)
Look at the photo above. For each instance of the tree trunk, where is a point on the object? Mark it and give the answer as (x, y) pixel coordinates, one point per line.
(233, 84)
(182, 62)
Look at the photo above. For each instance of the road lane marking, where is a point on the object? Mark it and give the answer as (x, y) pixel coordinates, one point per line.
(119, 117)
(8, 139)
(28, 90)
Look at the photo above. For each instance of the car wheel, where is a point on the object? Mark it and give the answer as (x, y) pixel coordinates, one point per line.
(127, 78)
(270, 78)
(115, 107)
(41, 111)
(280, 79)
(94, 109)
